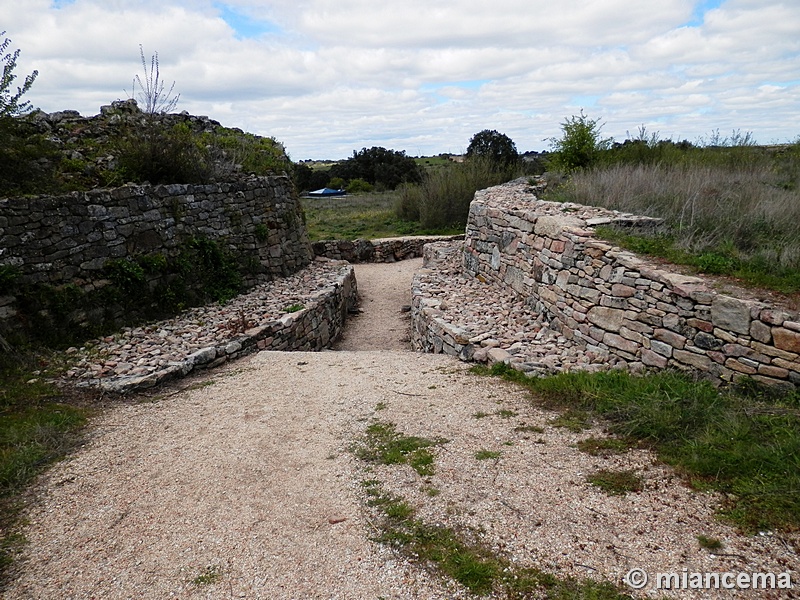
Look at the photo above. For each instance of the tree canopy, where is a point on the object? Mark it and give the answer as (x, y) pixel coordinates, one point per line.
(497, 147)
(385, 169)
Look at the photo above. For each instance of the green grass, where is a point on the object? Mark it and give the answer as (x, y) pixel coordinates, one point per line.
(573, 420)
(460, 556)
(484, 454)
(615, 483)
(367, 216)
(529, 429)
(210, 574)
(709, 543)
(604, 446)
(741, 442)
(721, 259)
(383, 444)
(36, 428)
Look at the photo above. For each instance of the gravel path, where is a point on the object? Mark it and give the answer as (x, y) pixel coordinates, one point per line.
(241, 485)
(384, 289)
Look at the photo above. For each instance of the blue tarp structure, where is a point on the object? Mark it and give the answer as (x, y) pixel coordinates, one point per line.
(327, 192)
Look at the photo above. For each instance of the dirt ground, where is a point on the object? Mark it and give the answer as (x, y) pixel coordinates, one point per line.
(241, 483)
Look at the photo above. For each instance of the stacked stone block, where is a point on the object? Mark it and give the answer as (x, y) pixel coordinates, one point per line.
(378, 250)
(69, 239)
(608, 299)
(313, 328)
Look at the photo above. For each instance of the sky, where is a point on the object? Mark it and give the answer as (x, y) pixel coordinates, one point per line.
(327, 78)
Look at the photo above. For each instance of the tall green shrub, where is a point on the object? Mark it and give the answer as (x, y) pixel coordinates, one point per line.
(580, 144)
(442, 200)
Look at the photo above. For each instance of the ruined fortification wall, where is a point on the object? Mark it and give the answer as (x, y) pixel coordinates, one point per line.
(378, 250)
(49, 244)
(606, 298)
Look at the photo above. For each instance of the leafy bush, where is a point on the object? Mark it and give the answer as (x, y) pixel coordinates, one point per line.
(442, 200)
(580, 145)
(160, 155)
(359, 185)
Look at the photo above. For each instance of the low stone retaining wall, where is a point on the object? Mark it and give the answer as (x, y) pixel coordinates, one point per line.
(378, 250)
(314, 327)
(609, 301)
(430, 332)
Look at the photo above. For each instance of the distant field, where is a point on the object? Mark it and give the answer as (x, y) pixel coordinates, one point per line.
(370, 215)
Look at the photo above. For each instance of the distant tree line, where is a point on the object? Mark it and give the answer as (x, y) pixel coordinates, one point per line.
(378, 167)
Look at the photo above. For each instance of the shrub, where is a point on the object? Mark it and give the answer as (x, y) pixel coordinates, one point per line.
(359, 185)
(580, 145)
(442, 200)
(162, 155)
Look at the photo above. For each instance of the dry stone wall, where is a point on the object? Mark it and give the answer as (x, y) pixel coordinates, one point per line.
(378, 250)
(69, 240)
(312, 328)
(610, 300)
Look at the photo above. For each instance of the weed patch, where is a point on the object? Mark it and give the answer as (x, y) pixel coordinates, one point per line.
(709, 543)
(615, 483)
(210, 574)
(603, 446)
(739, 442)
(36, 429)
(383, 444)
(573, 420)
(460, 556)
(484, 454)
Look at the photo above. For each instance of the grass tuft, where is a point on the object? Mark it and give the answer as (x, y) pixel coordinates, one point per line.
(487, 454)
(209, 575)
(383, 444)
(615, 483)
(709, 543)
(604, 446)
(740, 442)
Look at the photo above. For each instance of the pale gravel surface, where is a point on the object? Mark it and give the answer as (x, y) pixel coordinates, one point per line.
(247, 469)
(384, 289)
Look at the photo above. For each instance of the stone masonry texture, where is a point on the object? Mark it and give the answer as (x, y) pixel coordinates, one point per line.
(610, 302)
(69, 239)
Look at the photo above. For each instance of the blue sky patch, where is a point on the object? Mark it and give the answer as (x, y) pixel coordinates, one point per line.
(585, 101)
(245, 26)
(700, 11)
(62, 3)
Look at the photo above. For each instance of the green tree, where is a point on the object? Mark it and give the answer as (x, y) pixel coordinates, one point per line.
(27, 157)
(10, 101)
(385, 169)
(495, 147)
(580, 145)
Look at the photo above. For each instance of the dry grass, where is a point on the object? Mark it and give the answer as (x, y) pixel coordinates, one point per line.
(740, 219)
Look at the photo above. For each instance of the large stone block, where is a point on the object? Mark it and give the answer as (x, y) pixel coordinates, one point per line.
(610, 319)
(730, 314)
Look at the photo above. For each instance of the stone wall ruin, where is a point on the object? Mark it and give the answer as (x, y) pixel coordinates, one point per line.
(66, 242)
(610, 300)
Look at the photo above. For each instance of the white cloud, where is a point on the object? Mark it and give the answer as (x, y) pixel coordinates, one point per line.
(328, 77)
